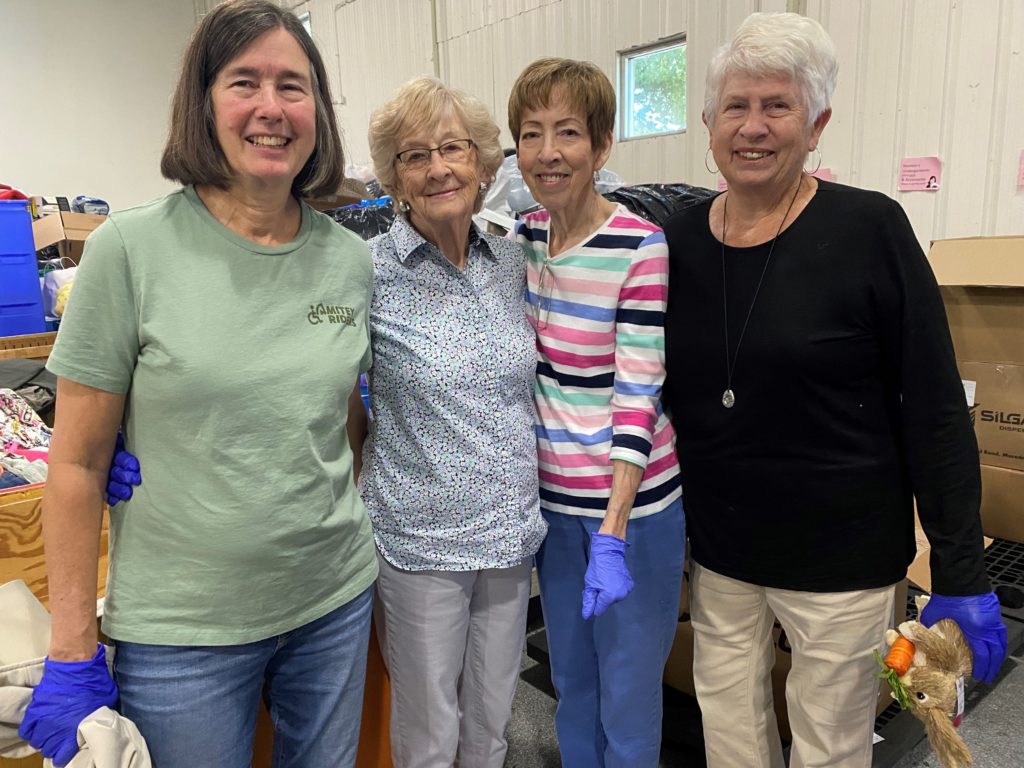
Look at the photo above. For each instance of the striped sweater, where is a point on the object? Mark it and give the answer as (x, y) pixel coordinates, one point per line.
(598, 309)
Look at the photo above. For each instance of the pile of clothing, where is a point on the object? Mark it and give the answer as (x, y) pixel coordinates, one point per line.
(105, 738)
(26, 390)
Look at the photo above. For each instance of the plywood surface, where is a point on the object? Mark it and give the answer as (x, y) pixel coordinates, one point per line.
(21, 542)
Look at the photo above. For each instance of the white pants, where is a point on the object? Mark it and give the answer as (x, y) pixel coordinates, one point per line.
(831, 691)
(453, 644)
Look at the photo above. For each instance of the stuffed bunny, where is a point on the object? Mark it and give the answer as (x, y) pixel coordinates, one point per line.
(932, 686)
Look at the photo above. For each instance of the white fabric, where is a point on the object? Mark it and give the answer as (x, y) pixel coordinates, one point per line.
(23, 643)
(453, 644)
(26, 625)
(105, 738)
(108, 740)
(16, 684)
(831, 691)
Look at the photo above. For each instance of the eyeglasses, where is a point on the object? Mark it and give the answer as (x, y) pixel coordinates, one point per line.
(538, 324)
(418, 158)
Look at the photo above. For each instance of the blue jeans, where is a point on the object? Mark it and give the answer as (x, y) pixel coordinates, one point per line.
(197, 705)
(607, 671)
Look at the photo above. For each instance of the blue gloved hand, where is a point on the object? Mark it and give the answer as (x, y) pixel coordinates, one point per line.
(982, 624)
(123, 475)
(69, 692)
(607, 580)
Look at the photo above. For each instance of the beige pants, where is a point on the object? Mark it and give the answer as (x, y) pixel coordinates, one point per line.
(831, 691)
(453, 645)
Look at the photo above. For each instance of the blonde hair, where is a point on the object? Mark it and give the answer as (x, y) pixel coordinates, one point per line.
(425, 101)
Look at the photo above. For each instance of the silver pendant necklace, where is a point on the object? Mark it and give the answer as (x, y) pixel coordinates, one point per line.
(729, 397)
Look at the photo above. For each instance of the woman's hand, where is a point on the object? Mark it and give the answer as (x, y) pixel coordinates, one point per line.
(607, 580)
(981, 621)
(69, 692)
(124, 474)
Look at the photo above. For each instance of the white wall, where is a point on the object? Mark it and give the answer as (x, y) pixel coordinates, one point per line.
(86, 94)
(917, 77)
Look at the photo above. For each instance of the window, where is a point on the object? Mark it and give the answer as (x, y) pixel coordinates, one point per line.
(652, 87)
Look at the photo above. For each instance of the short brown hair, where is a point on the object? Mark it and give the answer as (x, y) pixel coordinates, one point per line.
(192, 154)
(587, 91)
(424, 101)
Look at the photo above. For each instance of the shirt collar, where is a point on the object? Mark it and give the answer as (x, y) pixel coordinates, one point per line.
(407, 240)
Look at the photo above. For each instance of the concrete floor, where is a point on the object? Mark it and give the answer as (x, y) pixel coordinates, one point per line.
(993, 727)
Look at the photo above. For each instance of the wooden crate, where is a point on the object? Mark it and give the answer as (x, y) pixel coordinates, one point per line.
(34, 346)
(21, 541)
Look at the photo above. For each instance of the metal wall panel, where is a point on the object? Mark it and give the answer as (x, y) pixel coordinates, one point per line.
(923, 77)
(917, 77)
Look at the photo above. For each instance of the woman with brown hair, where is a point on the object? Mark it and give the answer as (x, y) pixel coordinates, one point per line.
(611, 566)
(224, 325)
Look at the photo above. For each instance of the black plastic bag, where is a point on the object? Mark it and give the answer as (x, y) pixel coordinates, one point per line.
(656, 202)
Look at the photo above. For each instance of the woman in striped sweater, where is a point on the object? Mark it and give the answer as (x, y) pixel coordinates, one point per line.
(611, 566)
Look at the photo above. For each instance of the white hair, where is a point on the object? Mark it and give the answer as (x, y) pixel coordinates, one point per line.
(773, 45)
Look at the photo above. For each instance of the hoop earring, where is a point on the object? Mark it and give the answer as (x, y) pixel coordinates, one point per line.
(816, 167)
(707, 164)
(403, 206)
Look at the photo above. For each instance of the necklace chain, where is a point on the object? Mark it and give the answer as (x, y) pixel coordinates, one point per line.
(729, 397)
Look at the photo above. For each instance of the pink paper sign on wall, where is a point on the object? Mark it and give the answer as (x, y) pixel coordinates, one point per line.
(922, 174)
(1020, 170)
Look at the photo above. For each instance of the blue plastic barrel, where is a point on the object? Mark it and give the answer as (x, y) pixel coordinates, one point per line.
(21, 300)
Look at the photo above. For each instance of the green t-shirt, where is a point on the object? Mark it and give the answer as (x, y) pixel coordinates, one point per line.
(237, 360)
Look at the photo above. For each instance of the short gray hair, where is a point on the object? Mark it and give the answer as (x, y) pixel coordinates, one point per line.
(777, 44)
(422, 103)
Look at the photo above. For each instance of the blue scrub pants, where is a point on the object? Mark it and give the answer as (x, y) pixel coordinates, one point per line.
(607, 672)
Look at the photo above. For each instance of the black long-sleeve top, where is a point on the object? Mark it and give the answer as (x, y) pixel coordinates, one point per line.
(848, 403)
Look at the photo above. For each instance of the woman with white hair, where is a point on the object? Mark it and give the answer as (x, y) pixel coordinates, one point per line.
(820, 400)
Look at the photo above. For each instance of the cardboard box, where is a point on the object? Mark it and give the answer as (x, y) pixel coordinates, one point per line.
(67, 229)
(1002, 503)
(679, 668)
(982, 283)
(997, 411)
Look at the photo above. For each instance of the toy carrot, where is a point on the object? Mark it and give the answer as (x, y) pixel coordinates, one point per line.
(896, 663)
(900, 656)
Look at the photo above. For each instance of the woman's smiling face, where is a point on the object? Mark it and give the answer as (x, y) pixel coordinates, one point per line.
(760, 134)
(557, 154)
(443, 190)
(265, 111)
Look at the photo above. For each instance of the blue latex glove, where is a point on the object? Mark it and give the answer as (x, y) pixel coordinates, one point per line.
(607, 580)
(69, 692)
(123, 475)
(982, 624)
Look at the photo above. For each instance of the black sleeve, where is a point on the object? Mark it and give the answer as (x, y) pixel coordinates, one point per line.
(939, 442)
